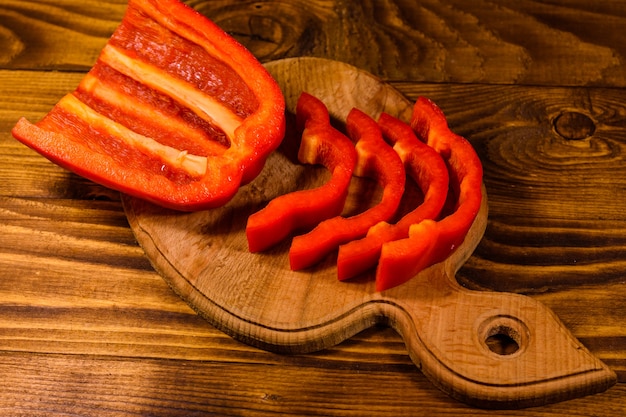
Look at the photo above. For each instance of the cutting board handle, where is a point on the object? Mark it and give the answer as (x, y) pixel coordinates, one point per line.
(490, 349)
(538, 363)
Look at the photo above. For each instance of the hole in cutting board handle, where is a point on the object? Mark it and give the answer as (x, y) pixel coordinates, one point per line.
(503, 341)
(504, 335)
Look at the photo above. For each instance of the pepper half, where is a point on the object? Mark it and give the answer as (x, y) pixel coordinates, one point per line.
(304, 209)
(430, 242)
(377, 160)
(428, 170)
(174, 111)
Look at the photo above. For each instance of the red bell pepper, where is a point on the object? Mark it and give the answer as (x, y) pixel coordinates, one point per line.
(303, 209)
(377, 160)
(432, 242)
(428, 170)
(174, 111)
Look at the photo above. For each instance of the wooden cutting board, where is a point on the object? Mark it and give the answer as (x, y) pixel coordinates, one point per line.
(447, 329)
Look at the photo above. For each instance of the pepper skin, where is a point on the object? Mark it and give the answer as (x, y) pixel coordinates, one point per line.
(303, 209)
(428, 170)
(377, 160)
(432, 242)
(174, 111)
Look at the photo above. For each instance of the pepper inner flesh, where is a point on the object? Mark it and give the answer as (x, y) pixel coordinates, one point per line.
(194, 165)
(202, 104)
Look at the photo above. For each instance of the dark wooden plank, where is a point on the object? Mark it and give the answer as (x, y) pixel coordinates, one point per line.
(49, 34)
(565, 42)
(67, 385)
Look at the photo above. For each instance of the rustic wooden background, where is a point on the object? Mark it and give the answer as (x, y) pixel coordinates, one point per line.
(88, 328)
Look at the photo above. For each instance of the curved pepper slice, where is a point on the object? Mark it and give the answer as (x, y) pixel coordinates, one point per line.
(431, 242)
(174, 111)
(428, 170)
(377, 160)
(403, 259)
(303, 209)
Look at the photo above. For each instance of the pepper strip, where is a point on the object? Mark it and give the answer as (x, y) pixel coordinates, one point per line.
(377, 160)
(432, 242)
(303, 209)
(427, 169)
(180, 64)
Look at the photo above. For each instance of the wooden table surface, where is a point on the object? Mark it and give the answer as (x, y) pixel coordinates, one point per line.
(87, 327)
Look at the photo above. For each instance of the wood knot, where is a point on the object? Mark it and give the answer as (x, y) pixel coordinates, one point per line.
(574, 126)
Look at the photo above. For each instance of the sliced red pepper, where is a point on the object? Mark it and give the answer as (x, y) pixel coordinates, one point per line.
(303, 209)
(428, 170)
(432, 242)
(174, 111)
(402, 259)
(377, 160)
